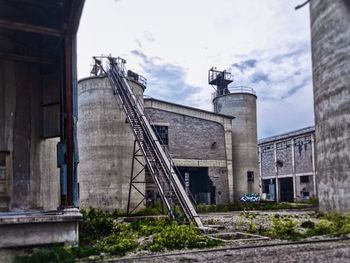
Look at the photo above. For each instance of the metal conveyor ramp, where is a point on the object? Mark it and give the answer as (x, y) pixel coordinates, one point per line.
(158, 160)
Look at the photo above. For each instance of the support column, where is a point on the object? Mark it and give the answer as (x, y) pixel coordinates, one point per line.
(277, 187)
(313, 164)
(260, 172)
(294, 172)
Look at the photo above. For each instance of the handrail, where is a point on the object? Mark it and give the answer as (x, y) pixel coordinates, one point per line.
(242, 89)
(235, 90)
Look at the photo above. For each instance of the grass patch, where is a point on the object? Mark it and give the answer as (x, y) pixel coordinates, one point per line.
(287, 228)
(175, 236)
(284, 229)
(331, 224)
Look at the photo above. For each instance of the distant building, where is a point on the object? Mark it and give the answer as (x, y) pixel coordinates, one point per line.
(287, 166)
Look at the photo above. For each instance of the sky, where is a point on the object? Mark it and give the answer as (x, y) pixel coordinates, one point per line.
(265, 44)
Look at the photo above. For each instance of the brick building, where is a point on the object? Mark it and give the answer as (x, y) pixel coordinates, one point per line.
(289, 160)
(201, 145)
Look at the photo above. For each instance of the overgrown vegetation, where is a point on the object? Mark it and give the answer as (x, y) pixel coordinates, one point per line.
(289, 228)
(262, 206)
(176, 236)
(103, 234)
(284, 229)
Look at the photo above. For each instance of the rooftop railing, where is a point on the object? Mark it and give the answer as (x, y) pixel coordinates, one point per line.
(236, 89)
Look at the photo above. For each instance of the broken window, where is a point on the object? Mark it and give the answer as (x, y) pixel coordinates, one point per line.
(2, 166)
(161, 133)
(304, 179)
(250, 176)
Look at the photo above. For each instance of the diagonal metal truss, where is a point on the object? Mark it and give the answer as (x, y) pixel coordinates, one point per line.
(158, 160)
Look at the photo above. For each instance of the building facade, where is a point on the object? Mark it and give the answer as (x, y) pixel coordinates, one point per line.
(287, 166)
(38, 151)
(200, 142)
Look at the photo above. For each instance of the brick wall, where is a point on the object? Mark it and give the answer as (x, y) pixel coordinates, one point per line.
(267, 160)
(190, 137)
(284, 157)
(303, 155)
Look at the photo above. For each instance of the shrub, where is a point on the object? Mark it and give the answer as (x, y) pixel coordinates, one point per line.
(331, 224)
(96, 224)
(284, 229)
(307, 224)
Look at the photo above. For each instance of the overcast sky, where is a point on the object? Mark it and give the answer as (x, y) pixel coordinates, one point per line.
(173, 43)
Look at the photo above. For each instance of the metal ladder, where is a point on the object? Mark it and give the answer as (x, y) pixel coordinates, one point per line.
(158, 160)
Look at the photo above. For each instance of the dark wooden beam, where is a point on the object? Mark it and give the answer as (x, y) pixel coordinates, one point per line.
(76, 10)
(69, 122)
(29, 59)
(31, 28)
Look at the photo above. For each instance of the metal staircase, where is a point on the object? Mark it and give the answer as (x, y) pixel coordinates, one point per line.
(158, 159)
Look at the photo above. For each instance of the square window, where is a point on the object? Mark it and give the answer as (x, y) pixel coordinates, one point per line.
(304, 179)
(250, 176)
(2, 173)
(161, 133)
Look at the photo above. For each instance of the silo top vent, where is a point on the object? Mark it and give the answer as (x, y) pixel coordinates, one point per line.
(220, 79)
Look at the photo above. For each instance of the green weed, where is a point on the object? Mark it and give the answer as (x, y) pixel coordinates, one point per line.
(175, 236)
(284, 229)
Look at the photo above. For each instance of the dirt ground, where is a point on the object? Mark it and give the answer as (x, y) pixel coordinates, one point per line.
(319, 252)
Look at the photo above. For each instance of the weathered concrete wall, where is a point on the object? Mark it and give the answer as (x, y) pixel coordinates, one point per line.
(33, 179)
(304, 187)
(244, 139)
(105, 148)
(219, 177)
(330, 36)
(39, 228)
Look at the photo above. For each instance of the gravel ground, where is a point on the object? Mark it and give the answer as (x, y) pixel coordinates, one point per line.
(238, 251)
(317, 252)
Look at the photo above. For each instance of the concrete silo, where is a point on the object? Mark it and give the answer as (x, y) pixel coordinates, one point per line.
(330, 37)
(239, 102)
(106, 145)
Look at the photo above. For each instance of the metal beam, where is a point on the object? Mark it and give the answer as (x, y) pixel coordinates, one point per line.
(14, 25)
(29, 59)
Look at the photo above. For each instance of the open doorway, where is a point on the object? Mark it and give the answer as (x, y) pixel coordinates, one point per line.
(286, 189)
(200, 184)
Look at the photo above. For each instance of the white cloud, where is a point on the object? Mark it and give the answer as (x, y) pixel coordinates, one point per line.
(192, 36)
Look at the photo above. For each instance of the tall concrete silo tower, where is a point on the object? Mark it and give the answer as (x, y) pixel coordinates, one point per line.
(239, 102)
(330, 37)
(106, 146)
